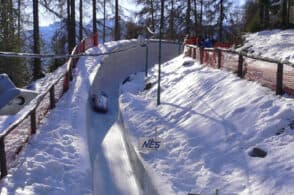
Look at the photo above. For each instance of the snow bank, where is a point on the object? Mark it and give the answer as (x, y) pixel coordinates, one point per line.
(209, 120)
(56, 160)
(116, 167)
(276, 44)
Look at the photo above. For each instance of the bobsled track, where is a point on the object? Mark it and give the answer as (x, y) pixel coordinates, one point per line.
(116, 167)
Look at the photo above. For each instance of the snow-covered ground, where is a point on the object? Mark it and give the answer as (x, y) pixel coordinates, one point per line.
(208, 122)
(59, 159)
(56, 159)
(276, 44)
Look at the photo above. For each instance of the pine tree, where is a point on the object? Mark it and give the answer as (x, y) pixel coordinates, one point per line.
(222, 8)
(117, 26)
(94, 5)
(171, 32)
(104, 20)
(149, 14)
(81, 21)
(195, 16)
(264, 13)
(188, 17)
(37, 68)
(11, 41)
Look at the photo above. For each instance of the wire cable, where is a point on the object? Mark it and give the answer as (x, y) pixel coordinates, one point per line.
(54, 56)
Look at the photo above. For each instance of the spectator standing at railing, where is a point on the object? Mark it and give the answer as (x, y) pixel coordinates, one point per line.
(200, 42)
(208, 42)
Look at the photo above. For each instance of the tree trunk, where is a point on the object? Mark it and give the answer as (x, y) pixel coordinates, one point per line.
(284, 13)
(73, 23)
(201, 15)
(68, 26)
(152, 16)
(11, 18)
(188, 22)
(195, 17)
(37, 70)
(221, 20)
(94, 17)
(104, 20)
(81, 21)
(261, 13)
(171, 22)
(117, 27)
(18, 19)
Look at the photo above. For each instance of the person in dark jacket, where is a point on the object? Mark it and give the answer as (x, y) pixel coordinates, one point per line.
(207, 42)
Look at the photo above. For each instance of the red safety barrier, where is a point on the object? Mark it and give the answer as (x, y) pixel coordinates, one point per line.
(268, 72)
(223, 45)
(191, 41)
(95, 39)
(288, 80)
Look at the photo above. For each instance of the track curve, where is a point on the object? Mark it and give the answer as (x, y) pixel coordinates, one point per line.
(115, 166)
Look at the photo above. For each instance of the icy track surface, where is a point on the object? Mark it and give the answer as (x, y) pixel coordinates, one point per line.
(209, 120)
(56, 160)
(113, 171)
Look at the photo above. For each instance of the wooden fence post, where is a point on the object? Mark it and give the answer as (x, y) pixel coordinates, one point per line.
(95, 39)
(189, 52)
(219, 59)
(240, 66)
(194, 53)
(70, 76)
(279, 81)
(201, 55)
(65, 82)
(52, 97)
(3, 162)
(33, 122)
(83, 44)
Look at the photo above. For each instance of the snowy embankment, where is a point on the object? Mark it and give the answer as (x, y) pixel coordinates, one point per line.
(209, 120)
(56, 159)
(79, 151)
(276, 44)
(116, 167)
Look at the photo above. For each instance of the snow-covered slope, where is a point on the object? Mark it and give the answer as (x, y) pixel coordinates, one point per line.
(116, 169)
(56, 160)
(209, 120)
(276, 44)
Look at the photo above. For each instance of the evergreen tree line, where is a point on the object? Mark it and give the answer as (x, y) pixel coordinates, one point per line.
(193, 17)
(221, 19)
(14, 37)
(268, 14)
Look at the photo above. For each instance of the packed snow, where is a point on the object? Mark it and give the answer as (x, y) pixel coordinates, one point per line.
(56, 159)
(208, 123)
(209, 120)
(276, 44)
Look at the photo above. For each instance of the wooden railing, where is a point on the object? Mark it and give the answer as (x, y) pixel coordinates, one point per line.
(275, 74)
(39, 108)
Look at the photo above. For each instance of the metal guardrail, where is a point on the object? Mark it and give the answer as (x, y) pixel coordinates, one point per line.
(241, 54)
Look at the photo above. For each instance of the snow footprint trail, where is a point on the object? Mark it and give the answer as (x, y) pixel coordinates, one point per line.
(112, 171)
